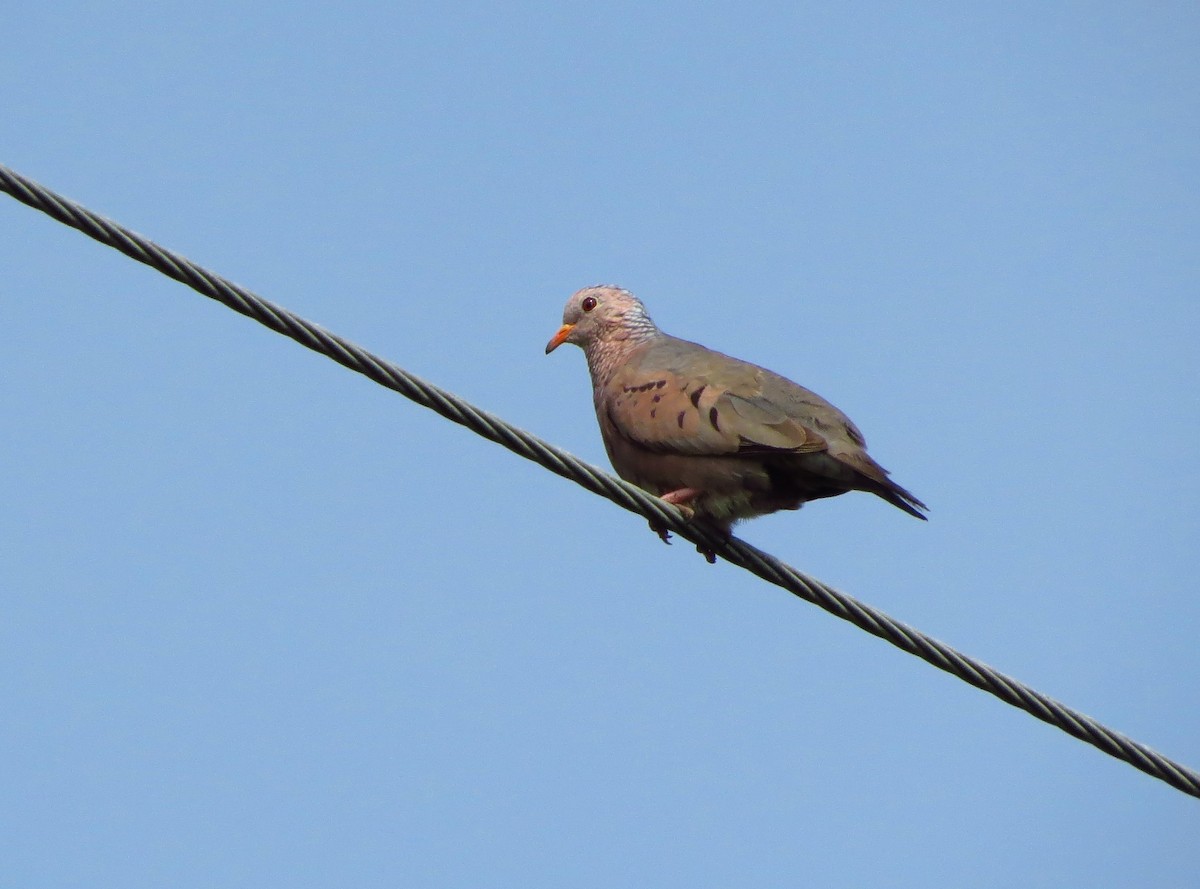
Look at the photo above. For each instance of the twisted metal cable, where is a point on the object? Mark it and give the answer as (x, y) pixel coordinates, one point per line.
(599, 482)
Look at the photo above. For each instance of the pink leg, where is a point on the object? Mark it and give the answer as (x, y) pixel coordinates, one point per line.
(679, 498)
(682, 497)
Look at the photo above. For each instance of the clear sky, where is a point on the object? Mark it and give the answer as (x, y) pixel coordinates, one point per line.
(265, 623)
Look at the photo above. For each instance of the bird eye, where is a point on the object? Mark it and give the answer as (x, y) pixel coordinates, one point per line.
(589, 303)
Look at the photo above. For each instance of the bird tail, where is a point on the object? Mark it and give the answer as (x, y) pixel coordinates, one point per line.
(877, 481)
(874, 478)
(902, 499)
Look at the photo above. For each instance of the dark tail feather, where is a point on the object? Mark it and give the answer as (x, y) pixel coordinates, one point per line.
(874, 478)
(901, 499)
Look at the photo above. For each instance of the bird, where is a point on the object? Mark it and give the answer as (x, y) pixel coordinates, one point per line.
(720, 438)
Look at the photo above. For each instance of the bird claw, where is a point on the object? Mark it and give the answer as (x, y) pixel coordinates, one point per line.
(665, 536)
(679, 499)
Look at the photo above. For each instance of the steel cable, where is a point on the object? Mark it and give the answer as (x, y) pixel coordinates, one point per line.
(599, 482)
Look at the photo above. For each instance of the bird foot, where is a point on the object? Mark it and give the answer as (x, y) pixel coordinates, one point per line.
(678, 499)
(663, 534)
(711, 554)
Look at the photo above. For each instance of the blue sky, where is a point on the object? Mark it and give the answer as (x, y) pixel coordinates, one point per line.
(266, 623)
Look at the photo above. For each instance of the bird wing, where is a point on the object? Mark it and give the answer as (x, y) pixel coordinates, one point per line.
(679, 397)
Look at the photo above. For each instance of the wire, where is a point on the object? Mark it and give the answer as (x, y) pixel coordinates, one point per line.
(735, 551)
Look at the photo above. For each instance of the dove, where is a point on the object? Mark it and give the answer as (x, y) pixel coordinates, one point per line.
(722, 439)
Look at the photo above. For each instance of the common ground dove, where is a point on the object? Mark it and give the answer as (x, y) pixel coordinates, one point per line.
(720, 438)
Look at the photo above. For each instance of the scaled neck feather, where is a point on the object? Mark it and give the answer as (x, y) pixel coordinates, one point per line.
(613, 348)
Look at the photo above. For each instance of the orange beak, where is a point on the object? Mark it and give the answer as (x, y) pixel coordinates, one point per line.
(559, 338)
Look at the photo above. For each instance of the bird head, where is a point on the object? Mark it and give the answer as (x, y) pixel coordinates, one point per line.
(598, 313)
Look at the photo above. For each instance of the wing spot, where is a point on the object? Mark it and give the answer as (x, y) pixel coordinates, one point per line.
(696, 397)
(679, 419)
(712, 418)
(657, 398)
